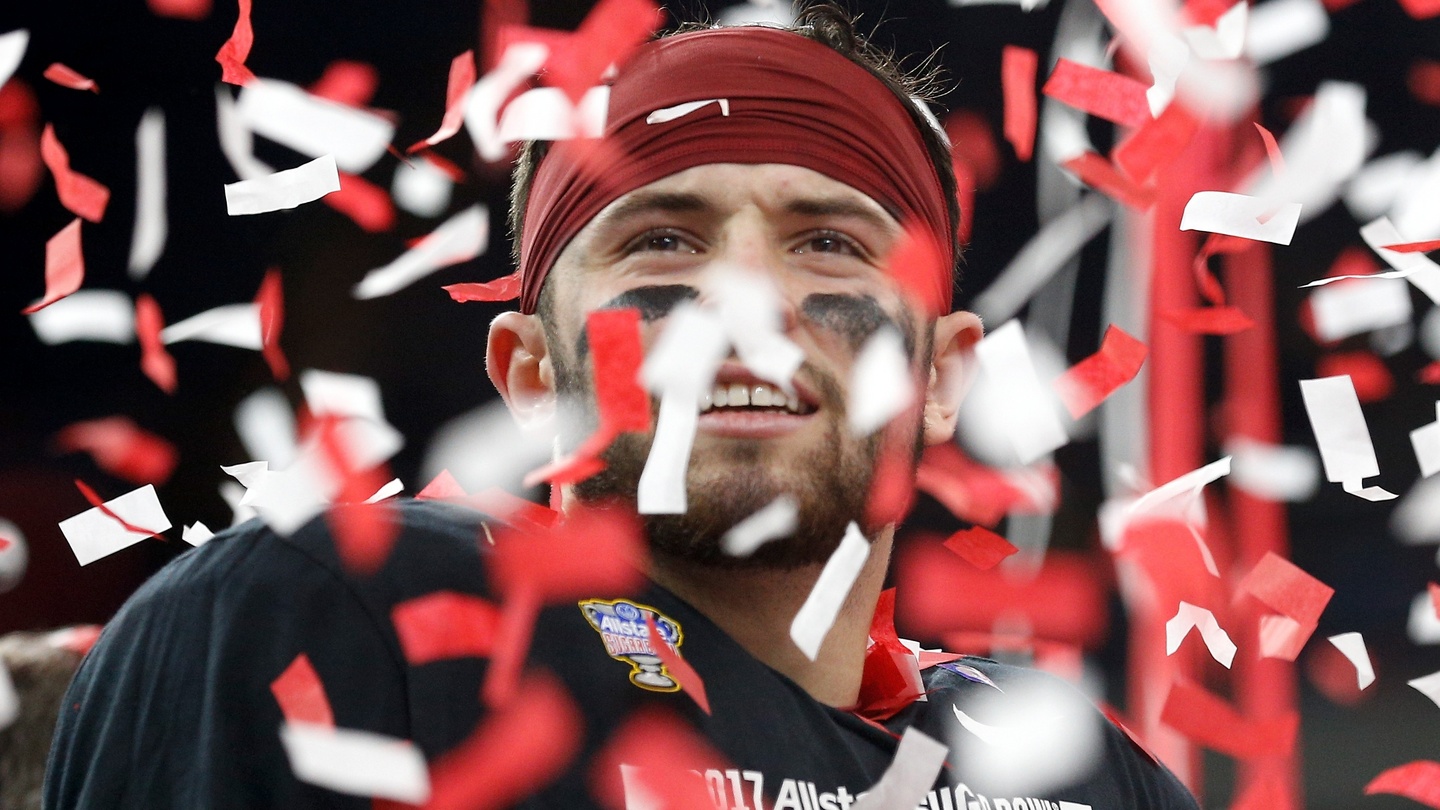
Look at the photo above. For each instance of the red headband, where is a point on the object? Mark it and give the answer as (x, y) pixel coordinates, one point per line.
(791, 100)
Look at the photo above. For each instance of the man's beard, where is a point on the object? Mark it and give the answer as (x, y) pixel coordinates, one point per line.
(830, 484)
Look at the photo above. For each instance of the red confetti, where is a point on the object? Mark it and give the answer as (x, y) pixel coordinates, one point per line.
(513, 754)
(301, 695)
(99, 503)
(663, 755)
(611, 30)
(980, 547)
(82, 195)
(677, 666)
(66, 76)
(1018, 67)
(121, 448)
(1156, 143)
(518, 512)
(1424, 81)
(1415, 247)
(578, 466)
(462, 77)
(1265, 793)
(976, 493)
(64, 266)
(1209, 721)
(1272, 149)
(1430, 374)
(890, 680)
(1373, 381)
(1090, 381)
(1419, 780)
(505, 288)
(236, 50)
(347, 82)
(916, 265)
(1101, 93)
(365, 203)
(443, 487)
(77, 638)
(1333, 675)
(1421, 9)
(594, 550)
(1434, 597)
(445, 625)
(1209, 320)
(892, 490)
(21, 169)
(617, 352)
(1205, 12)
(270, 299)
(1287, 589)
(155, 361)
(180, 9)
(1096, 172)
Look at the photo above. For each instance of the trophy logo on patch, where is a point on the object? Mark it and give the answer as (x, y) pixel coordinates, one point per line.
(622, 627)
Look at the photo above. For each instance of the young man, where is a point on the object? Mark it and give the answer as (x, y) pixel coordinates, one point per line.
(805, 172)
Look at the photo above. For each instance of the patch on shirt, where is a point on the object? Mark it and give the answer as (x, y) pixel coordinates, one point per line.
(622, 627)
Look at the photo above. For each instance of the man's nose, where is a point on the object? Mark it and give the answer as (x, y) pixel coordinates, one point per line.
(750, 254)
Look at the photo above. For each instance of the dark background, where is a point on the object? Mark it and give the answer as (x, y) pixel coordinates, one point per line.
(427, 353)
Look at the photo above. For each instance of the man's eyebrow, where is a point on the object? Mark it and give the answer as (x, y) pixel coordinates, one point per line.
(840, 207)
(644, 202)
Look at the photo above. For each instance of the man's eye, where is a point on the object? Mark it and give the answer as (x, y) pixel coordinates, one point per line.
(829, 242)
(660, 241)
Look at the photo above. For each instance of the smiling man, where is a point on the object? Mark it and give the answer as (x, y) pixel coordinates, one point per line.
(795, 159)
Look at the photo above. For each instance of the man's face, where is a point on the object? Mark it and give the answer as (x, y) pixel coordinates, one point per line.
(822, 245)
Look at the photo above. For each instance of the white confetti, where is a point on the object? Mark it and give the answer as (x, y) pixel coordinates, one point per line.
(196, 535)
(1362, 305)
(236, 141)
(314, 126)
(460, 238)
(1416, 520)
(422, 188)
(1417, 268)
(1035, 736)
(1217, 641)
(14, 556)
(151, 222)
(1273, 472)
(9, 698)
(107, 316)
(235, 325)
(1027, 416)
(362, 430)
(546, 114)
(1240, 215)
(881, 386)
(284, 189)
(1342, 435)
(1279, 28)
(358, 763)
(92, 534)
(483, 102)
(1416, 212)
(909, 778)
(1352, 645)
(773, 521)
(1224, 40)
(661, 489)
(1323, 149)
(1373, 189)
(390, 489)
(266, 426)
(12, 52)
(1423, 626)
(1426, 441)
(687, 354)
(817, 615)
(749, 307)
(1429, 686)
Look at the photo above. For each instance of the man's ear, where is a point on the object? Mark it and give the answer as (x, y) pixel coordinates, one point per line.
(517, 358)
(951, 372)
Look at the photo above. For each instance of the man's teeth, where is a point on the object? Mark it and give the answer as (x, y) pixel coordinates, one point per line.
(739, 395)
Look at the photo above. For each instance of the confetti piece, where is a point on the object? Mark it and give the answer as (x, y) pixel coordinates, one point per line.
(1156, 143)
(916, 265)
(445, 625)
(1035, 736)
(1415, 247)
(1028, 419)
(100, 315)
(1279, 28)
(1017, 80)
(517, 512)
(546, 114)
(909, 777)
(1359, 305)
(881, 386)
(284, 189)
(1188, 616)
(1420, 271)
(611, 31)
(1421, 9)
(270, 300)
(816, 616)
(64, 267)
(1429, 686)
(591, 551)
(1341, 434)
(462, 77)
(443, 487)
(148, 239)
(313, 126)
(1222, 38)
(749, 306)
(358, 763)
(1419, 780)
(505, 288)
(775, 520)
(82, 195)
(66, 76)
(1414, 211)
(196, 534)
(155, 361)
(617, 354)
(235, 325)
(1352, 645)
(236, 50)
(979, 494)
(9, 698)
(1285, 588)
(1434, 590)
(1099, 174)
(365, 203)
(12, 51)
(1092, 380)
(654, 760)
(513, 753)
(460, 238)
(1043, 256)
(1373, 189)
(347, 82)
(890, 678)
(101, 531)
(677, 666)
(1209, 320)
(1101, 93)
(180, 9)
(1423, 625)
(1240, 215)
(980, 547)
(892, 487)
(661, 490)
(1273, 472)
(483, 103)
(422, 188)
(1323, 149)
(301, 694)
(121, 448)
(390, 489)
(1209, 721)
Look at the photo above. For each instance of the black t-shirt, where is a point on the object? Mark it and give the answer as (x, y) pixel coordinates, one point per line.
(173, 707)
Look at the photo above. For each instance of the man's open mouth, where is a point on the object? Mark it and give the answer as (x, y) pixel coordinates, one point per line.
(737, 396)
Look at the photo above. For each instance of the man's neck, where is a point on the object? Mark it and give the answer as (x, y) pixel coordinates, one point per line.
(756, 607)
